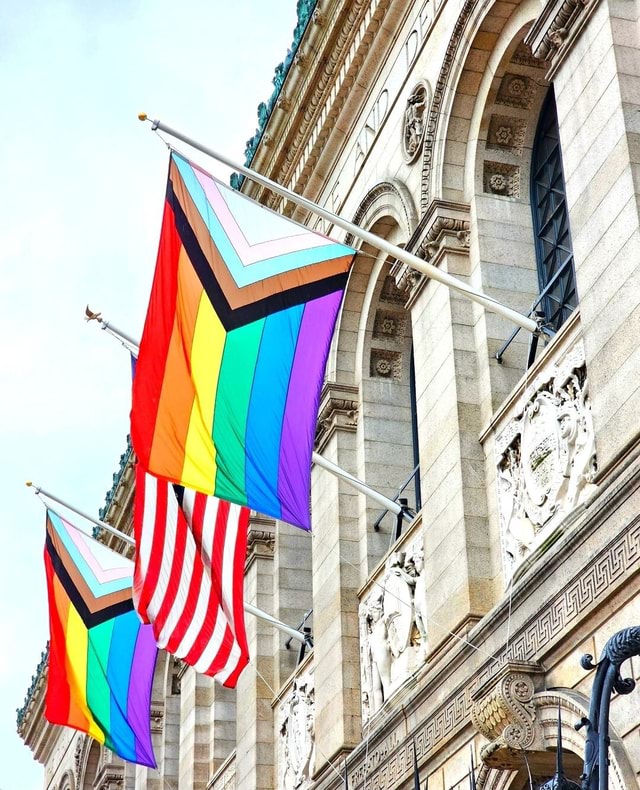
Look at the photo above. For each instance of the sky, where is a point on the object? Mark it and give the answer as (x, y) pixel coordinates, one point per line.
(82, 190)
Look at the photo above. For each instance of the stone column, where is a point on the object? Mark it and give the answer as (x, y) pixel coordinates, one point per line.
(171, 726)
(222, 718)
(592, 48)
(254, 728)
(457, 556)
(336, 579)
(196, 692)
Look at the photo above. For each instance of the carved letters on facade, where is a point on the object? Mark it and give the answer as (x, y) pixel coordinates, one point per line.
(546, 457)
(296, 742)
(393, 630)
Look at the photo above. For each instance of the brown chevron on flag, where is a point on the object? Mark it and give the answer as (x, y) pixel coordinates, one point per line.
(189, 575)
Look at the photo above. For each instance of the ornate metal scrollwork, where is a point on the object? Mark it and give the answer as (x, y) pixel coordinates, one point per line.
(620, 647)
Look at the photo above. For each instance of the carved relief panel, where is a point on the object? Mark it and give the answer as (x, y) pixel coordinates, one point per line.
(545, 457)
(393, 631)
(413, 124)
(296, 738)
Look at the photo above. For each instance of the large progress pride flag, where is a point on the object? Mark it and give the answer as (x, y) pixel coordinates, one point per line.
(231, 363)
(101, 658)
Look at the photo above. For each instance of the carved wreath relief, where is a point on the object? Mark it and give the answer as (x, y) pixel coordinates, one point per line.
(546, 457)
(413, 124)
(296, 742)
(393, 630)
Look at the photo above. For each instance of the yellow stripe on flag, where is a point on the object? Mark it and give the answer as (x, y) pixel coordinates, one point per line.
(206, 356)
(77, 640)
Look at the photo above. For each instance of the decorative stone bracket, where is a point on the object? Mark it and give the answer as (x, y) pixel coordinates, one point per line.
(338, 411)
(446, 226)
(504, 712)
(557, 27)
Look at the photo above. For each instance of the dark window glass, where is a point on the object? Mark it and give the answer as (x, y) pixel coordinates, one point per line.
(554, 252)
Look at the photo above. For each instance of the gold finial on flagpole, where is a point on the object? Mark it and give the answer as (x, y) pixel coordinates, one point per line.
(91, 316)
(28, 484)
(142, 116)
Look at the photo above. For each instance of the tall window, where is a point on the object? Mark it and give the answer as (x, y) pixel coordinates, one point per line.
(554, 252)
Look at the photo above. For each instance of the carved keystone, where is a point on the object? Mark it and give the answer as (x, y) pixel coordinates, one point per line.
(504, 712)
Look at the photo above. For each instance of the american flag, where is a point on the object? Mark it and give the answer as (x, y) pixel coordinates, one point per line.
(189, 575)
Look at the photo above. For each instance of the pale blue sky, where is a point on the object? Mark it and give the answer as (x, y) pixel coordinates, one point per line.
(82, 189)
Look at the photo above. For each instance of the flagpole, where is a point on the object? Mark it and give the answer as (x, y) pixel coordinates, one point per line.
(381, 499)
(387, 503)
(38, 490)
(300, 637)
(364, 235)
(91, 316)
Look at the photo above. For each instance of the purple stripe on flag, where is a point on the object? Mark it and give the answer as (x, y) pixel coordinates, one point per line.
(305, 385)
(139, 700)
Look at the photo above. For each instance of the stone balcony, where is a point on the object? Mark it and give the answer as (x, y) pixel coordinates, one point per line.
(225, 777)
(540, 449)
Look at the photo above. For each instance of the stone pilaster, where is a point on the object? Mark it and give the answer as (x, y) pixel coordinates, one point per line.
(222, 718)
(593, 48)
(254, 723)
(336, 579)
(456, 551)
(292, 593)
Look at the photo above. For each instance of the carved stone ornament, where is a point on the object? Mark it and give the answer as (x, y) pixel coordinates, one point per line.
(545, 457)
(296, 740)
(504, 712)
(393, 628)
(413, 123)
(338, 411)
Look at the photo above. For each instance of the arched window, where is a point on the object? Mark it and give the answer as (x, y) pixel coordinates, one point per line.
(554, 251)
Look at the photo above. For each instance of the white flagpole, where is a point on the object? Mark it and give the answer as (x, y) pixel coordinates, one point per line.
(91, 316)
(38, 490)
(130, 541)
(381, 499)
(420, 265)
(387, 503)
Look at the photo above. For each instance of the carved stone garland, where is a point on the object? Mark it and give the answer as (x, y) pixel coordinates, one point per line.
(393, 628)
(296, 741)
(545, 457)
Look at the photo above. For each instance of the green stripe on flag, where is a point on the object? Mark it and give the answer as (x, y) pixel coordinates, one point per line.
(232, 405)
(98, 691)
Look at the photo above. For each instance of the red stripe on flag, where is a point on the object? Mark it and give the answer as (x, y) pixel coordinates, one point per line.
(181, 571)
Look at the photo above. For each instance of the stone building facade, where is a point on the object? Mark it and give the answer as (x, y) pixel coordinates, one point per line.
(499, 140)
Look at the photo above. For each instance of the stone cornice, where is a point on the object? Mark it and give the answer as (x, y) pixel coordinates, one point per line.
(37, 733)
(556, 29)
(317, 89)
(261, 540)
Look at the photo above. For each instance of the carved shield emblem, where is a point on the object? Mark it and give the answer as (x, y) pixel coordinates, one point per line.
(398, 612)
(541, 463)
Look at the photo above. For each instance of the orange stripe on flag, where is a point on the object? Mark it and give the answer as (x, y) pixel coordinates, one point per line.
(178, 392)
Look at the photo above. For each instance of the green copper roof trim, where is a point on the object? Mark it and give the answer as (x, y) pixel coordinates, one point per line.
(304, 9)
(117, 476)
(22, 712)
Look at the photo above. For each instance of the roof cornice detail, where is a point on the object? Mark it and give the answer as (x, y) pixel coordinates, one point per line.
(316, 92)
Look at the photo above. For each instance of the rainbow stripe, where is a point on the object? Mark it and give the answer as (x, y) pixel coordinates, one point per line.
(101, 657)
(235, 343)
